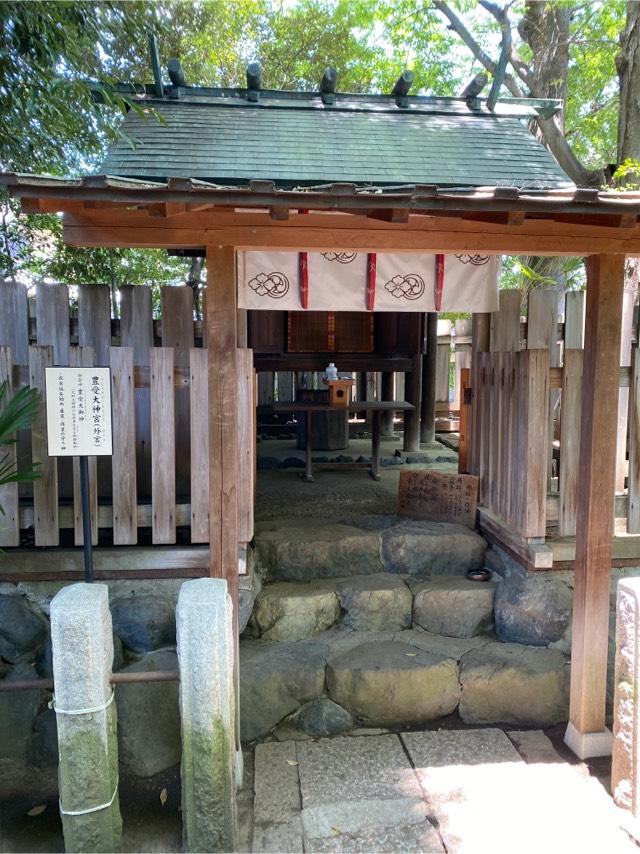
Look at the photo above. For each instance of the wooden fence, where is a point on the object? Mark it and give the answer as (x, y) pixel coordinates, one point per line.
(525, 418)
(158, 476)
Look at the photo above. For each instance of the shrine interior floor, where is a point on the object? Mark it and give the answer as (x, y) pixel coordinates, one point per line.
(335, 495)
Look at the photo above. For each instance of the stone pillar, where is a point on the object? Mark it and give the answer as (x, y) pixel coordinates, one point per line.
(82, 643)
(204, 627)
(625, 771)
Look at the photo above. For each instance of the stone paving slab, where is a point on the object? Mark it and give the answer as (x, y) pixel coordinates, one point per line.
(420, 838)
(354, 769)
(276, 810)
(486, 798)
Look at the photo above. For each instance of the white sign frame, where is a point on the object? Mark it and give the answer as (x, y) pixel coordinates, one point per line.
(78, 405)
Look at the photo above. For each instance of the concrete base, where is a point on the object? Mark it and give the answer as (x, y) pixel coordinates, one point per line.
(587, 745)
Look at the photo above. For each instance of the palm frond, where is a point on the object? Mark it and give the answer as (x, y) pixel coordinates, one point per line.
(18, 413)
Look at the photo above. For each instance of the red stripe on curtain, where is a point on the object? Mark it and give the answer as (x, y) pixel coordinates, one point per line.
(439, 280)
(371, 280)
(303, 268)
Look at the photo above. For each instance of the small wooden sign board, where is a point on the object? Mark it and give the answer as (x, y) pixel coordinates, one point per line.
(436, 496)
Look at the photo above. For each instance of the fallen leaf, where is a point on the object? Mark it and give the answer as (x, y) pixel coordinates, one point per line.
(291, 762)
(37, 810)
(336, 831)
(163, 796)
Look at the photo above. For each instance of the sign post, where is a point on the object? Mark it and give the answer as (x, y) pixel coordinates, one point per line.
(78, 404)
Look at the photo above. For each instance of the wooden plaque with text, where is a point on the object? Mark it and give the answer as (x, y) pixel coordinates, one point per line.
(438, 497)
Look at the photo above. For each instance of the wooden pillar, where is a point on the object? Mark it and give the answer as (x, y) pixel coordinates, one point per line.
(428, 419)
(586, 734)
(413, 392)
(387, 393)
(223, 428)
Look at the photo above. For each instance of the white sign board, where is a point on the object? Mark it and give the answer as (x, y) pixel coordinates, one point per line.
(79, 412)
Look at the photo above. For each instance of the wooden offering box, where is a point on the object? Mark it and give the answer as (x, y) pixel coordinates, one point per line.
(339, 392)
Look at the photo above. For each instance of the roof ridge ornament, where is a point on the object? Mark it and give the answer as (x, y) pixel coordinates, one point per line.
(328, 86)
(401, 88)
(254, 81)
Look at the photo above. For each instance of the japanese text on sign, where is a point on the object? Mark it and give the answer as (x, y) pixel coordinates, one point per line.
(78, 411)
(438, 497)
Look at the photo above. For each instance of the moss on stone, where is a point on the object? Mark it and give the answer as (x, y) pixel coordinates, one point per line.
(208, 788)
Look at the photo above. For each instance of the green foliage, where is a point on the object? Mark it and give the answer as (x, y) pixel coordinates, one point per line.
(16, 413)
(627, 175)
(49, 50)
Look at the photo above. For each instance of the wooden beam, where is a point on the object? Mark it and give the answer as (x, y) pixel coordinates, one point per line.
(605, 284)
(322, 231)
(223, 450)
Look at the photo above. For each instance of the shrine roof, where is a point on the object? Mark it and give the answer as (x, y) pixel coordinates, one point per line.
(297, 140)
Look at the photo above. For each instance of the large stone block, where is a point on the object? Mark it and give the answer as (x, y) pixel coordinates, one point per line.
(290, 611)
(454, 606)
(514, 684)
(532, 610)
(301, 549)
(18, 710)
(323, 717)
(380, 602)
(23, 630)
(144, 622)
(275, 679)
(431, 548)
(393, 683)
(149, 718)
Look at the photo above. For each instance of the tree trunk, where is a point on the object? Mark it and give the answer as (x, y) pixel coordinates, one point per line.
(628, 67)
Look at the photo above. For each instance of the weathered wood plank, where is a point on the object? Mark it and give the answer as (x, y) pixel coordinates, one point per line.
(45, 489)
(177, 332)
(136, 331)
(513, 466)
(484, 428)
(504, 499)
(199, 392)
(605, 284)
(623, 394)
(505, 323)
(125, 521)
(246, 418)
(542, 333)
(84, 357)
(163, 446)
(94, 321)
(533, 415)
(480, 333)
(223, 415)
(10, 519)
(52, 320)
(570, 442)
(633, 512)
(495, 431)
(574, 320)
(14, 321)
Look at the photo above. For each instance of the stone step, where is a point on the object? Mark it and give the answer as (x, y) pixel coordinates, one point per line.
(341, 680)
(300, 549)
(292, 611)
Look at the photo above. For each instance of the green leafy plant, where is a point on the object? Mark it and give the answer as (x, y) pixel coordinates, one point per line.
(16, 413)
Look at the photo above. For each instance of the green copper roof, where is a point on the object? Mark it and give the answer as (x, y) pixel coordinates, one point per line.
(302, 142)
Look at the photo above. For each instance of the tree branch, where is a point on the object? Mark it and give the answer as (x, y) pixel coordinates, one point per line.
(482, 57)
(553, 136)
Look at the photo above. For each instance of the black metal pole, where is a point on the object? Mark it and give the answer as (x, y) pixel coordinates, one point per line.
(86, 520)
